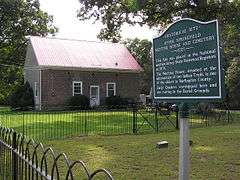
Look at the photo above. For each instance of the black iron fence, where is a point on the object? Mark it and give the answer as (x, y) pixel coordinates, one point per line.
(44, 125)
(214, 117)
(22, 159)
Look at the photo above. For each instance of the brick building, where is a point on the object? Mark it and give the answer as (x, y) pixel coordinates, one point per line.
(59, 68)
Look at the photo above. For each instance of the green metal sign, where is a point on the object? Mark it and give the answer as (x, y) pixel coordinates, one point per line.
(186, 63)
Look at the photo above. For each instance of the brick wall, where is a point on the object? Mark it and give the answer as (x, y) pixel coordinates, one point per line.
(57, 85)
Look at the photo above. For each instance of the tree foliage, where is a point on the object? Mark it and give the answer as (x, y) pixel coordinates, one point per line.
(159, 13)
(18, 19)
(233, 84)
(22, 98)
(141, 50)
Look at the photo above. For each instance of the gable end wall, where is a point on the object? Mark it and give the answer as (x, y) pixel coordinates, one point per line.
(32, 74)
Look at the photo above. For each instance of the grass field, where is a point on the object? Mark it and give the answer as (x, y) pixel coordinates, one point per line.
(215, 154)
(61, 124)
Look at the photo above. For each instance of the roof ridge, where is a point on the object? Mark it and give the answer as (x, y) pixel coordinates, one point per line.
(68, 39)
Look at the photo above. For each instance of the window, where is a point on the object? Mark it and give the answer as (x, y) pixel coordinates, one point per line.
(36, 89)
(77, 88)
(111, 89)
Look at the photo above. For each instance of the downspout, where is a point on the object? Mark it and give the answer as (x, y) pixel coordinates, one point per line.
(40, 89)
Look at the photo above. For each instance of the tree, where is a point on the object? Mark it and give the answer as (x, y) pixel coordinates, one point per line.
(22, 97)
(154, 12)
(159, 13)
(18, 19)
(141, 50)
(233, 84)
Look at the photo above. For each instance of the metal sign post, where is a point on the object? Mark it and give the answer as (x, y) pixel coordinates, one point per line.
(184, 143)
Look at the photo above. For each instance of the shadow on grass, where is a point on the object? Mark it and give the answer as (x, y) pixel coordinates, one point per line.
(214, 154)
(57, 125)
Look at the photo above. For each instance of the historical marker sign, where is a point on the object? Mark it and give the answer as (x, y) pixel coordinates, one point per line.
(187, 62)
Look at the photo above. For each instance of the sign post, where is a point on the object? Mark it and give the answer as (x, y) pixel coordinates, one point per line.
(187, 68)
(184, 143)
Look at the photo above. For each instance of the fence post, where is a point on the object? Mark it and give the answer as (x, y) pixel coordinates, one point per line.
(85, 122)
(177, 119)
(228, 115)
(134, 119)
(23, 125)
(14, 157)
(176, 110)
(156, 119)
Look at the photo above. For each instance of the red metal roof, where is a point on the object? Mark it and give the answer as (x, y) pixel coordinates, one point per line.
(52, 52)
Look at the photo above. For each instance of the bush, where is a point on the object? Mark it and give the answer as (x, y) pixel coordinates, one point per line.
(2, 100)
(204, 109)
(79, 102)
(22, 98)
(127, 101)
(117, 102)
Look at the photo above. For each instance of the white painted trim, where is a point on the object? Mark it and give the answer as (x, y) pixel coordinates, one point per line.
(219, 65)
(73, 87)
(36, 89)
(190, 97)
(40, 89)
(219, 60)
(153, 66)
(114, 88)
(98, 87)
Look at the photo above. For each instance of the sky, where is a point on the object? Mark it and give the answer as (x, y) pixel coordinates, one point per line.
(65, 18)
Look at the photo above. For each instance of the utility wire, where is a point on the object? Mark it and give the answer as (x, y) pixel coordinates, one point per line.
(11, 65)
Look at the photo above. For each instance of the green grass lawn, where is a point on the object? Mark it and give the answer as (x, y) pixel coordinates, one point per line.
(215, 154)
(61, 124)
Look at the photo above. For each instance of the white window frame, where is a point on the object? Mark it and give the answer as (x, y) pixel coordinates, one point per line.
(73, 86)
(36, 89)
(114, 88)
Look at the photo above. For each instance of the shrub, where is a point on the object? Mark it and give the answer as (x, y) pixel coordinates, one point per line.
(2, 99)
(79, 102)
(22, 98)
(204, 108)
(127, 101)
(117, 102)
